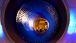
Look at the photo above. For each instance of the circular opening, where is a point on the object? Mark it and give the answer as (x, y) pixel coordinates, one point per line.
(41, 25)
(36, 21)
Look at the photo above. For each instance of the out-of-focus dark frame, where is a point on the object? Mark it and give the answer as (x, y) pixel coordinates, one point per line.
(9, 15)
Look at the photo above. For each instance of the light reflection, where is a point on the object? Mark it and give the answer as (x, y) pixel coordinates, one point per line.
(22, 16)
(72, 25)
(1, 30)
(30, 22)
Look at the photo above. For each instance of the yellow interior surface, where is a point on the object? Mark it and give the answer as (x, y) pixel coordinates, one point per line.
(40, 25)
